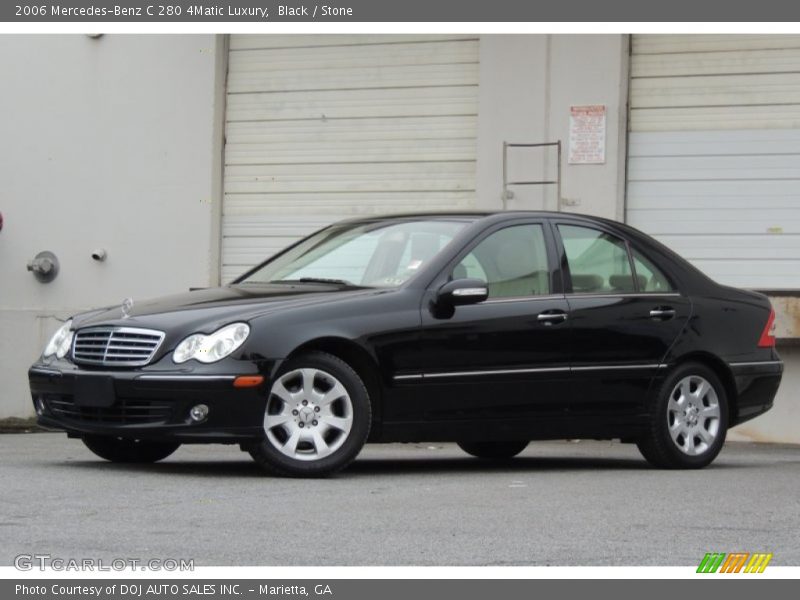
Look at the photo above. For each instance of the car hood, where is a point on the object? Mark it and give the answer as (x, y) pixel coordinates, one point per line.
(209, 308)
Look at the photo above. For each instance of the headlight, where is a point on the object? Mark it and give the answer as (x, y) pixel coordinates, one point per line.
(214, 347)
(61, 341)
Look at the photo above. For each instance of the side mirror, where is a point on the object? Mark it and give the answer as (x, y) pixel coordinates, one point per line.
(461, 292)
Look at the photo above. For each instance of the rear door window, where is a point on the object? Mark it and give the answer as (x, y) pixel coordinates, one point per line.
(598, 261)
(650, 277)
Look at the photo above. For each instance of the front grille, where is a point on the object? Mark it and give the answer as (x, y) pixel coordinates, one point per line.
(125, 411)
(116, 346)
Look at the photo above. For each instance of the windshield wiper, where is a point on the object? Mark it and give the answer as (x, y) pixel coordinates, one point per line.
(325, 280)
(315, 280)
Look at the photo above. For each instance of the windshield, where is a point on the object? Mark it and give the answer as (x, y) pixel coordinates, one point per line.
(383, 254)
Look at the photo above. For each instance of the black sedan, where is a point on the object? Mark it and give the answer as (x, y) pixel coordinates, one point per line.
(488, 330)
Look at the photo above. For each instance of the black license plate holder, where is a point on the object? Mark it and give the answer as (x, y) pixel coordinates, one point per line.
(94, 391)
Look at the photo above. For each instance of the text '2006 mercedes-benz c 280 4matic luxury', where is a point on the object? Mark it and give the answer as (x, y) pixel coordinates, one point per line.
(488, 330)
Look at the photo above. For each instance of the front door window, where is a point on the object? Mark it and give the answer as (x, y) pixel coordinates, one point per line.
(512, 262)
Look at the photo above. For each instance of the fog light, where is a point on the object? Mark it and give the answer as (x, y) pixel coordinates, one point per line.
(39, 406)
(199, 413)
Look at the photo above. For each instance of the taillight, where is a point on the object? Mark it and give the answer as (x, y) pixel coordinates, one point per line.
(767, 339)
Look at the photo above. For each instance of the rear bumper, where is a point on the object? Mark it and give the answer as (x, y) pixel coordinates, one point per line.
(756, 386)
(151, 405)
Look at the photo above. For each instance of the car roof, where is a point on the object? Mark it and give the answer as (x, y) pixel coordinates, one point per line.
(480, 215)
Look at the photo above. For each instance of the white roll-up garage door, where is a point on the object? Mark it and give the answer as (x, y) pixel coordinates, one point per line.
(325, 127)
(714, 153)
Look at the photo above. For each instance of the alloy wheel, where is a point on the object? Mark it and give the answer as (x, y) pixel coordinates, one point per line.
(693, 415)
(309, 414)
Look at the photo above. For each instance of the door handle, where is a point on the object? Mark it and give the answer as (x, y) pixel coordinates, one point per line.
(663, 313)
(551, 318)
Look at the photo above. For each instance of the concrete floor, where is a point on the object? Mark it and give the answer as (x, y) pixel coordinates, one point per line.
(559, 503)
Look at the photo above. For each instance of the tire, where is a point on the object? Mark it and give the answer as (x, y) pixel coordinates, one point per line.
(121, 450)
(688, 420)
(493, 450)
(316, 419)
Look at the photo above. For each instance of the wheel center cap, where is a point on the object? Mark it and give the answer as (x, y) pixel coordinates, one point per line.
(305, 414)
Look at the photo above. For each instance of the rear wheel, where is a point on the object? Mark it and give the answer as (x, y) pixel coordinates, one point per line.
(493, 450)
(128, 451)
(689, 420)
(316, 420)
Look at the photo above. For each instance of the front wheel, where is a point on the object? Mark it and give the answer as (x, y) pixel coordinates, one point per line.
(493, 450)
(689, 420)
(316, 420)
(122, 450)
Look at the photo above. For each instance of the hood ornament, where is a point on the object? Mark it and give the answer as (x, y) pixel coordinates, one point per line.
(127, 307)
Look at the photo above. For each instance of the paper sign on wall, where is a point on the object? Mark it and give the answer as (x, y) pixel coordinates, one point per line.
(587, 134)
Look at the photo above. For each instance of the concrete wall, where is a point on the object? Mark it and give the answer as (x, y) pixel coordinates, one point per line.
(527, 85)
(112, 142)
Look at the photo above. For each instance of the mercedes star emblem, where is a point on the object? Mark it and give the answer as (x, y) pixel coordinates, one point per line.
(127, 307)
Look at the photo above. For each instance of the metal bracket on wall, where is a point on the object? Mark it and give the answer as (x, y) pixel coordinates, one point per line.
(509, 194)
(44, 266)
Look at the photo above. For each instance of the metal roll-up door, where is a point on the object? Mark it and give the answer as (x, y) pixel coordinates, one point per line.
(714, 153)
(325, 127)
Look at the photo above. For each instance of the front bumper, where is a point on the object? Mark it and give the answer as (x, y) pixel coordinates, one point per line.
(152, 404)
